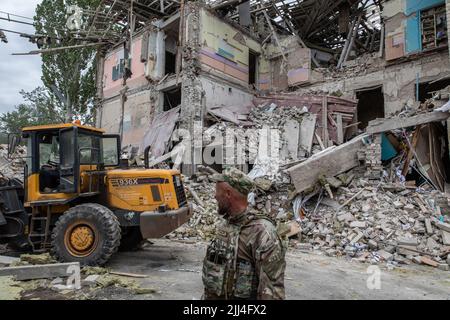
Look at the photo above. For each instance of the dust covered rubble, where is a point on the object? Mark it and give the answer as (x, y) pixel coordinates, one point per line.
(12, 167)
(374, 223)
(368, 220)
(379, 223)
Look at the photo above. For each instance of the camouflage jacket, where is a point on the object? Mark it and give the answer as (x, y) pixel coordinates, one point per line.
(246, 260)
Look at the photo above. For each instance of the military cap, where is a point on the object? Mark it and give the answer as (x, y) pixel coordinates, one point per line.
(235, 178)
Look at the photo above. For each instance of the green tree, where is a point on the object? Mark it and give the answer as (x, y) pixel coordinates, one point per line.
(39, 108)
(69, 75)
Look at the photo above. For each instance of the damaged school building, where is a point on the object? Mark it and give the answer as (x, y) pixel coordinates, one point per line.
(381, 55)
(358, 90)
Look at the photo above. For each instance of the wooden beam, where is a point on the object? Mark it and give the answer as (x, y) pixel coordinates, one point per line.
(325, 121)
(383, 125)
(275, 35)
(340, 129)
(59, 49)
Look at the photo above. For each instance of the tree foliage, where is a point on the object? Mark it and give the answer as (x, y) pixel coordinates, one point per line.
(37, 109)
(69, 75)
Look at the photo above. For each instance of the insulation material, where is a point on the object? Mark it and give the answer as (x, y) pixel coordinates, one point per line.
(429, 155)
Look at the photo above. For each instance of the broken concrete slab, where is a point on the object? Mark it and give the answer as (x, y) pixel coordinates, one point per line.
(404, 251)
(358, 224)
(5, 260)
(329, 162)
(407, 241)
(443, 226)
(387, 124)
(292, 136)
(428, 226)
(307, 129)
(43, 271)
(385, 255)
(445, 237)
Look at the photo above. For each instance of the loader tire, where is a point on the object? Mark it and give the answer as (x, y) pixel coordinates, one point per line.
(131, 239)
(87, 233)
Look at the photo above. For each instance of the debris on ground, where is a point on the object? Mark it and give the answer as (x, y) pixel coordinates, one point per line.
(378, 198)
(9, 289)
(43, 258)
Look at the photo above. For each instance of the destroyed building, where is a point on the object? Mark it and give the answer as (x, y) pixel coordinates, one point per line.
(222, 57)
(357, 90)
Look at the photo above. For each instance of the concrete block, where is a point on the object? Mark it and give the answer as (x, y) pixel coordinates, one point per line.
(358, 224)
(385, 255)
(43, 271)
(445, 237)
(428, 226)
(407, 241)
(5, 260)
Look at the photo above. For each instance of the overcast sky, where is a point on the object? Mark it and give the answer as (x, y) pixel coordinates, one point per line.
(17, 72)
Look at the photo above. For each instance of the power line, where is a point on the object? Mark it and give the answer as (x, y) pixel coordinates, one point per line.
(17, 21)
(15, 15)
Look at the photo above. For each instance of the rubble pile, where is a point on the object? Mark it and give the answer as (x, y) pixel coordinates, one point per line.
(359, 66)
(205, 219)
(12, 167)
(379, 223)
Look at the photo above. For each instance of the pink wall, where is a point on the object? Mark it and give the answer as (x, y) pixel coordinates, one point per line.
(110, 87)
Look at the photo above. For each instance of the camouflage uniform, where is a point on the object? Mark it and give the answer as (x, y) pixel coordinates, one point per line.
(246, 260)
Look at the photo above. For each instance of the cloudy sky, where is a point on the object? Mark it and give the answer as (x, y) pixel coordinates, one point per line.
(17, 72)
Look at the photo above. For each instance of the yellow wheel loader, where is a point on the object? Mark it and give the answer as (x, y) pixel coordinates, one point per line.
(77, 200)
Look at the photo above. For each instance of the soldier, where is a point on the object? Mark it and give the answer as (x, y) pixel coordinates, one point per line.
(246, 260)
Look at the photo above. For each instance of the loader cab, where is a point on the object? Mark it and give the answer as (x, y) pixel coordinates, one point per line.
(66, 161)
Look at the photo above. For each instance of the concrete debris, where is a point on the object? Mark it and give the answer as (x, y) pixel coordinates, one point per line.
(5, 260)
(41, 271)
(12, 167)
(9, 289)
(369, 228)
(107, 280)
(44, 258)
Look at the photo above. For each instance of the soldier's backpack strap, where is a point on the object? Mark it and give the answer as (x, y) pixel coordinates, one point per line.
(283, 240)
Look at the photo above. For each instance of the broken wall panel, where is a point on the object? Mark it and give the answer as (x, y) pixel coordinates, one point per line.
(398, 80)
(224, 48)
(330, 162)
(290, 64)
(335, 105)
(157, 134)
(138, 113)
(221, 93)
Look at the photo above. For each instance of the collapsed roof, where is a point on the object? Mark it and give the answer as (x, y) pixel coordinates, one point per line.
(321, 24)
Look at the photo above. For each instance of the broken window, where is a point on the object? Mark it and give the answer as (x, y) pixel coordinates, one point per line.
(119, 69)
(172, 98)
(252, 67)
(434, 28)
(170, 63)
(170, 55)
(370, 105)
(426, 89)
